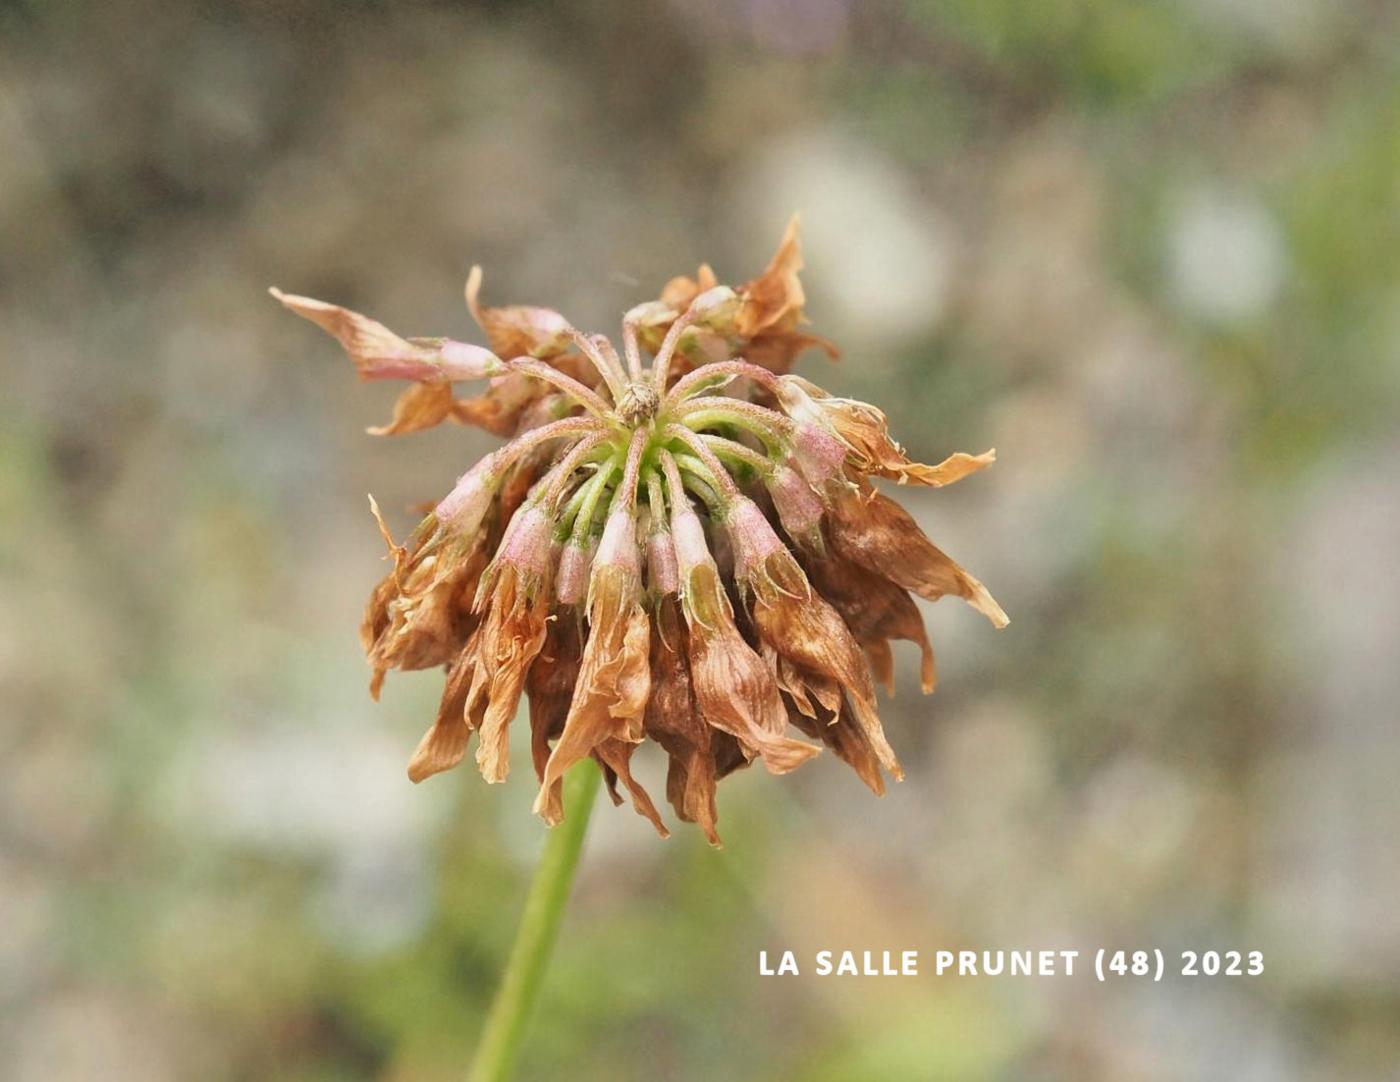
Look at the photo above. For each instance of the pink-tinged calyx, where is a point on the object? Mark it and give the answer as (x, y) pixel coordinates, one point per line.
(817, 454)
(528, 541)
(798, 507)
(663, 570)
(618, 548)
(571, 582)
(688, 535)
(466, 505)
(753, 539)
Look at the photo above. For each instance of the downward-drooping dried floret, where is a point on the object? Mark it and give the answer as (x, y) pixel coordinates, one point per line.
(689, 551)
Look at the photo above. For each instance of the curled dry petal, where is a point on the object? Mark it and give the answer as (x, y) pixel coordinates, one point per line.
(445, 744)
(500, 408)
(864, 432)
(953, 468)
(673, 720)
(848, 740)
(738, 693)
(771, 311)
(510, 613)
(512, 635)
(809, 692)
(876, 610)
(379, 353)
(518, 330)
(775, 298)
(735, 690)
(875, 532)
(679, 292)
(420, 613)
(615, 756)
(614, 680)
(763, 326)
(511, 402)
(809, 634)
(653, 318)
(421, 406)
(550, 686)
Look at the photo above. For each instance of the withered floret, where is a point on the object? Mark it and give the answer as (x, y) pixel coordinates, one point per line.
(689, 551)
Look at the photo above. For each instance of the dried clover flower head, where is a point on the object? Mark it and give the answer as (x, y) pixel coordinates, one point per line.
(690, 550)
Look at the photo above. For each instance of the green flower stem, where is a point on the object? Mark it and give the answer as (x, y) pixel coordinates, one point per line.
(504, 1032)
(583, 520)
(771, 430)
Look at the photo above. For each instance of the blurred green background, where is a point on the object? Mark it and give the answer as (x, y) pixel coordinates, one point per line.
(1150, 251)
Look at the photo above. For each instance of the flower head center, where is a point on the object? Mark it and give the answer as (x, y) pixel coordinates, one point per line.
(638, 403)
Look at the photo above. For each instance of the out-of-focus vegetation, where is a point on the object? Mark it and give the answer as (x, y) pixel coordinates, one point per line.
(1150, 251)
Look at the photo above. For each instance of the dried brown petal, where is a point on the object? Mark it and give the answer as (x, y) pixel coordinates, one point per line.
(517, 330)
(512, 636)
(878, 534)
(809, 633)
(865, 433)
(379, 353)
(420, 614)
(845, 737)
(680, 291)
(615, 756)
(500, 408)
(775, 298)
(673, 720)
(737, 693)
(771, 309)
(614, 678)
(445, 744)
(421, 406)
(809, 692)
(729, 754)
(550, 686)
(763, 328)
(876, 610)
